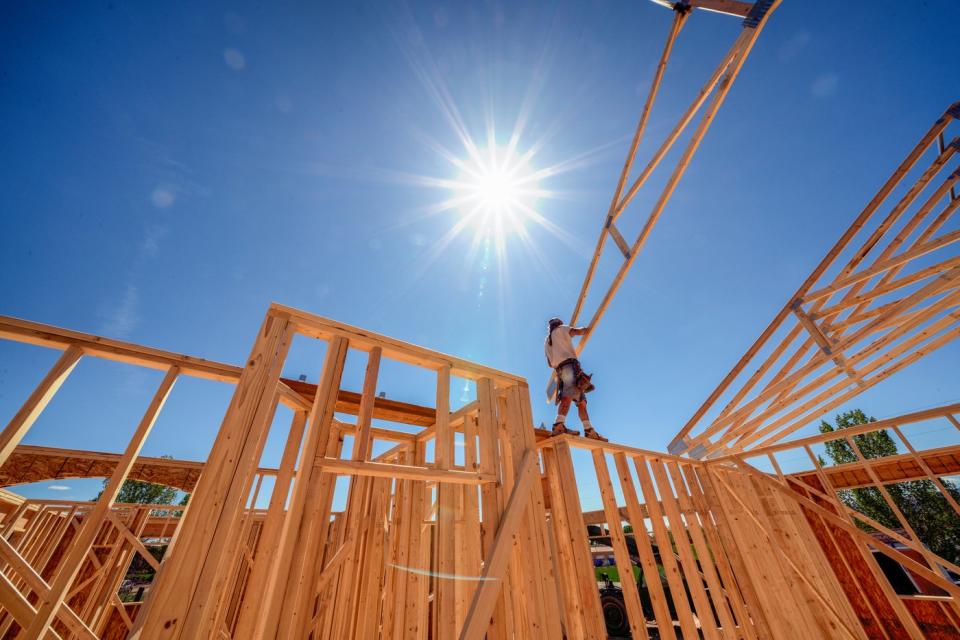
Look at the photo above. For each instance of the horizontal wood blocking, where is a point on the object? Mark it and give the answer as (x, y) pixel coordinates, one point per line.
(383, 408)
(401, 472)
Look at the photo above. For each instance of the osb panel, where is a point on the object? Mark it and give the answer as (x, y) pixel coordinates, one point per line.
(115, 628)
(901, 468)
(932, 618)
(860, 585)
(35, 464)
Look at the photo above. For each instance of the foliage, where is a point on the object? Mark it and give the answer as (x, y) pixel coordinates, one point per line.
(140, 568)
(138, 492)
(921, 503)
(140, 571)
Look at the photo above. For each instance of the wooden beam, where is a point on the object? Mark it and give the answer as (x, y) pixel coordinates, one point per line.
(884, 266)
(609, 447)
(638, 513)
(400, 471)
(363, 439)
(30, 463)
(444, 593)
(306, 522)
(15, 602)
(729, 69)
(23, 568)
(134, 541)
(183, 593)
(491, 497)
(495, 563)
(117, 350)
(383, 408)
(93, 345)
(812, 588)
(333, 565)
(729, 7)
(618, 238)
(325, 328)
(615, 209)
(291, 398)
(378, 433)
(849, 527)
(815, 332)
(671, 570)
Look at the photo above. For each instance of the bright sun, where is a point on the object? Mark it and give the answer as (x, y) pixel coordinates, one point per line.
(496, 188)
(496, 191)
(492, 197)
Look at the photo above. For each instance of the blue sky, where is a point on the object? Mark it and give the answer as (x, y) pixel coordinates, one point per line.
(170, 169)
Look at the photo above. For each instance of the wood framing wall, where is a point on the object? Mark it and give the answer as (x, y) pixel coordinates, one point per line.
(39, 534)
(494, 542)
(721, 557)
(442, 537)
(852, 541)
(489, 543)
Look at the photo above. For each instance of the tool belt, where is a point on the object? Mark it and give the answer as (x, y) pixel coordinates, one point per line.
(581, 380)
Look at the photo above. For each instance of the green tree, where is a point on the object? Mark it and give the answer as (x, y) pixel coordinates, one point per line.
(140, 572)
(138, 492)
(925, 509)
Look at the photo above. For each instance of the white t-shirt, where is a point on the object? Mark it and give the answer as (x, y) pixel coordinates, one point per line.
(562, 347)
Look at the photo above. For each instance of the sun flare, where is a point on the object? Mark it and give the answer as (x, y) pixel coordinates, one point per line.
(496, 191)
(493, 197)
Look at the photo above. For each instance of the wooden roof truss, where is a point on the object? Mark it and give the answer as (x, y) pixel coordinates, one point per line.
(709, 99)
(851, 324)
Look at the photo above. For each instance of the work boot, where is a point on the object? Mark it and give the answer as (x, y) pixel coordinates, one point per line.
(593, 435)
(560, 429)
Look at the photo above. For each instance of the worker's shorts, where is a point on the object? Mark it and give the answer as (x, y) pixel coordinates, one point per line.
(567, 378)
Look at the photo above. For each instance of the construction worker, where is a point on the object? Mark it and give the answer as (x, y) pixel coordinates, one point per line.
(573, 383)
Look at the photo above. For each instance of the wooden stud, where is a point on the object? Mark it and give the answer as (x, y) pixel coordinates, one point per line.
(495, 563)
(681, 540)
(723, 556)
(269, 545)
(80, 545)
(665, 545)
(658, 598)
(704, 556)
(21, 422)
(638, 624)
(362, 440)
